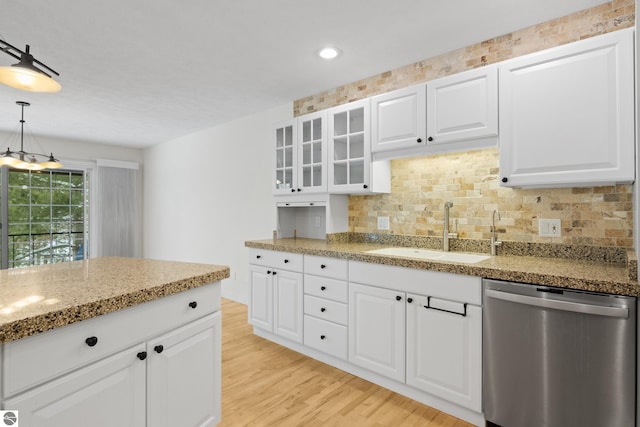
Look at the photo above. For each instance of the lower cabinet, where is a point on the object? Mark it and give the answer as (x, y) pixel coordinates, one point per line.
(444, 349)
(172, 379)
(376, 330)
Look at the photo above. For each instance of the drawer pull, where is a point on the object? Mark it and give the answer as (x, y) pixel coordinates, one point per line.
(258, 256)
(286, 261)
(159, 348)
(193, 304)
(398, 298)
(323, 266)
(142, 355)
(323, 288)
(274, 273)
(268, 271)
(323, 309)
(91, 341)
(409, 300)
(322, 337)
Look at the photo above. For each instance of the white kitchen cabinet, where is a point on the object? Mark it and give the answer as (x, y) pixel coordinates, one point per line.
(179, 391)
(444, 344)
(277, 293)
(377, 330)
(462, 111)
(567, 114)
(285, 166)
(139, 366)
(399, 120)
(350, 168)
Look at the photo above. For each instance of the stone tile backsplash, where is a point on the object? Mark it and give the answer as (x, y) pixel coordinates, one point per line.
(600, 216)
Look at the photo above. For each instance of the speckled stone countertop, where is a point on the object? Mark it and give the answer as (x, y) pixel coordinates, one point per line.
(37, 299)
(589, 275)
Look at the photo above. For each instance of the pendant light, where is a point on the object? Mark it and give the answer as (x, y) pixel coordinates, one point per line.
(25, 160)
(27, 73)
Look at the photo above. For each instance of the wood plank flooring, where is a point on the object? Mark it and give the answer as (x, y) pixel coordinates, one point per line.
(265, 384)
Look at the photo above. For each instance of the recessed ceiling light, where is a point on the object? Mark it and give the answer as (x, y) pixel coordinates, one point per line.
(328, 52)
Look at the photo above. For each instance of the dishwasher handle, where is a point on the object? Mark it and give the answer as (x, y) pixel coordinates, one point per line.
(598, 310)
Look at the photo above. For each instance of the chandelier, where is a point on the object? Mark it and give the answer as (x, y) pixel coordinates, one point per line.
(28, 73)
(25, 160)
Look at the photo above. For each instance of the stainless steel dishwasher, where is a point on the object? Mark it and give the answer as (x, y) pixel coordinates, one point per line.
(554, 357)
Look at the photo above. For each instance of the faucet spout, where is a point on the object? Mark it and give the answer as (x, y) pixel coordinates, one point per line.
(446, 235)
(494, 243)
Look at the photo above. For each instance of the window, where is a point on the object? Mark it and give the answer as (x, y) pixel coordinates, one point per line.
(46, 217)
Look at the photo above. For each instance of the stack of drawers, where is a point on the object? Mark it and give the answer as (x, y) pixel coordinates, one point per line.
(325, 305)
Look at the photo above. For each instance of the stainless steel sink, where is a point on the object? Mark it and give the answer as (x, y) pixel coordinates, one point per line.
(432, 255)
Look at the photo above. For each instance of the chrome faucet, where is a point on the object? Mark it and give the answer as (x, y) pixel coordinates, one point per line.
(494, 243)
(446, 235)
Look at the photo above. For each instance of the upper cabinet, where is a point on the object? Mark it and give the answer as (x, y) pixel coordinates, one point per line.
(567, 114)
(457, 112)
(285, 170)
(350, 167)
(301, 150)
(399, 119)
(462, 110)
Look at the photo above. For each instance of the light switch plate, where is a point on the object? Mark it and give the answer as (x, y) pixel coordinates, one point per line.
(383, 223)
(549, 228)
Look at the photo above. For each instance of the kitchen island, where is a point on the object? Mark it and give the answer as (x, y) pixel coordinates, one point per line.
(112, 341)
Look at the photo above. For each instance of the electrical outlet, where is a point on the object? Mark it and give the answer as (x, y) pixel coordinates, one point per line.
(383, 223)
(549, 228)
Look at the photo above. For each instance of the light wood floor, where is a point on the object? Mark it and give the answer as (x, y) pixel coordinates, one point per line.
(264, 384)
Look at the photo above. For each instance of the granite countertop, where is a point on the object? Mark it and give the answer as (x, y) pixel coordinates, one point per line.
(606, 277)
(37, 299)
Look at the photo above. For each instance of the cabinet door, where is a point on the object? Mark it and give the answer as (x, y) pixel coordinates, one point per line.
(183, 375)
(567, 114)
(461, 109)
(261, 297)
(376, 330)
(285, 161)
(288, 294)
(399, 120)
(107, 393)
(312, 152)
(349, 148)
(444, 349)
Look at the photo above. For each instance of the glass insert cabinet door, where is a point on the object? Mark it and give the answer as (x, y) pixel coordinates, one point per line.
(285, 155)
(312, 152)
(350, 150)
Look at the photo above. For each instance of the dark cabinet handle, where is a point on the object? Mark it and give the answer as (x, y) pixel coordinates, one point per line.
(299, 189)
(159, 348)
(274, 273)
(463, 314)
(365, 186)
(142, 355)
(398, 298)
(505, 179)
(91, 341)
(419, 140)
(323, 266)
(293, 190)
(323, 309)
(430, 139)
(409, 300)
(310, 204)
(286, 261)
(258, 256)
(323, 288)
(322, 337)
(193, 304)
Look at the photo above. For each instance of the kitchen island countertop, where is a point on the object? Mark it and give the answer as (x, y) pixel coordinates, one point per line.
(591, 276)
(40, 298)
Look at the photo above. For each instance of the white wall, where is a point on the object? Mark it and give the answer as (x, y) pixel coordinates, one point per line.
(205, 207)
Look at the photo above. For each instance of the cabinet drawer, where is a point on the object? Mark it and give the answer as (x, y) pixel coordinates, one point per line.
(322, 287)
(42, 357)
(326, 309)
(276, 259)
(326, 336)
(326, 267)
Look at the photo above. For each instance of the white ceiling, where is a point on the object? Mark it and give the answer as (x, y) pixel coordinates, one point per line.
(141, 72)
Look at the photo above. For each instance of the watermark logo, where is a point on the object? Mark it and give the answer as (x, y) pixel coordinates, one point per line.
(9, 418)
